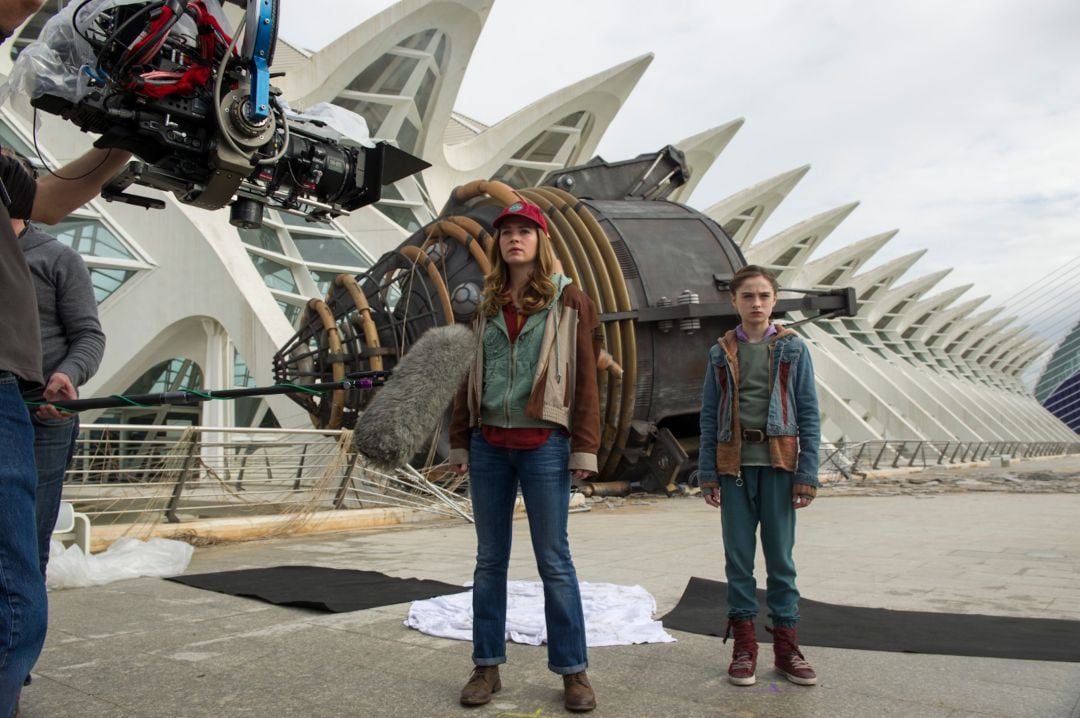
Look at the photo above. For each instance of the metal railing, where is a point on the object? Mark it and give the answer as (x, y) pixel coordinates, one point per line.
(125, 473)
(846, 461)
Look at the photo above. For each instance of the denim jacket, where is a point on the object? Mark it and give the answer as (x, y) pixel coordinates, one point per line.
(794, 422)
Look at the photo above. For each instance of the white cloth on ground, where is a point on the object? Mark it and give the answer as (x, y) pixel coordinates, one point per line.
(614, 615)
(125, 558)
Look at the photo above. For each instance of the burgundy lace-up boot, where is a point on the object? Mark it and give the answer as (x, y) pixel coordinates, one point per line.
(790, 662)
(743, 666)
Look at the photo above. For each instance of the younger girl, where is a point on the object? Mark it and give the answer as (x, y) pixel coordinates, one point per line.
(760, 428)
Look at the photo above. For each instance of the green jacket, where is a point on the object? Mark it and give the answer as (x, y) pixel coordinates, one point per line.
(546, 378)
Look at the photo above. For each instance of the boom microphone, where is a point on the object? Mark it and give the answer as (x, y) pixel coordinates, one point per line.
(406, 411)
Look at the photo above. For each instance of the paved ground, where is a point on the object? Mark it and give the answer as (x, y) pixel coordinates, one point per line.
(149, 647)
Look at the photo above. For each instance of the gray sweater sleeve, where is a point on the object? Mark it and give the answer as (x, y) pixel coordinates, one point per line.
(76, 310)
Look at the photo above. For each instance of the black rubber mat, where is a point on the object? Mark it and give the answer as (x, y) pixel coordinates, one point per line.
(703, 609)
(324, 589)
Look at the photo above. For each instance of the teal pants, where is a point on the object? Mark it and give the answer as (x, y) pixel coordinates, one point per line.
(760, 497)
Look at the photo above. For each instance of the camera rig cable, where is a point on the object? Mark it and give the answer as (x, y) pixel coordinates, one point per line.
(357, 380)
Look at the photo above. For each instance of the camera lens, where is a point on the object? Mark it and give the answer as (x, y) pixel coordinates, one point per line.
(246, 214)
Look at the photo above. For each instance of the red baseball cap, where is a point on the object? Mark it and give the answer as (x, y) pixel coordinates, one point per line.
(521, 208)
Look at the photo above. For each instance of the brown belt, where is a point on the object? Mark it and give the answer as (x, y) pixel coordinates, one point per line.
(754, 436)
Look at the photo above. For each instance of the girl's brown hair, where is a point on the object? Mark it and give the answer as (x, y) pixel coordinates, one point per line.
(749, 272)
(536, 295)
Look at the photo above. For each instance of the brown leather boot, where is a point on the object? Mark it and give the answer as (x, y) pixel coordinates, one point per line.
(579, 693)
(482, 683)
(790, 662)
(743, 668)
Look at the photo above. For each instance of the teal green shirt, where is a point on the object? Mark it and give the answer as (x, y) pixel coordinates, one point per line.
(754, 399)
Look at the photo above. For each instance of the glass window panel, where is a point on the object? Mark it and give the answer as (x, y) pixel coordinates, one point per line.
(571, 120)
(276, 276)
(788, 257)
(9, 138)
(328, 250)
(407, 136)
(425, 93)
(368, 80)
(733, 226)
(171, 375)
(374, 113)
(870, 292)
(391, 191)
(264, 237)
(245, 409)
(89, 237)
(386, 76)
(519, 177)
(401, 215)
(291, 311)
(833, 276)
(541, 148)
(107, 281)
(323, 280)
(440, 52)
(294, 221)
(241, 373)
(419, 41)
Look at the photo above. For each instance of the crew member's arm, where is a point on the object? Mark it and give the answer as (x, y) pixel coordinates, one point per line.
(14, 12)
(77, 311)
(75, 184)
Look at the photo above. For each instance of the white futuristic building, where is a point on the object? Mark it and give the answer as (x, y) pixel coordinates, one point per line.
(187, 300)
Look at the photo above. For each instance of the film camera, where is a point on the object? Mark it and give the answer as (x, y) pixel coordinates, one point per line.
(168, 81)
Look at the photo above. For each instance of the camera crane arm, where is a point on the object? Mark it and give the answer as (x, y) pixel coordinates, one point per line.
(171, 84)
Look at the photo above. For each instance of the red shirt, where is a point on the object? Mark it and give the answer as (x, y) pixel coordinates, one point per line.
(526, 437)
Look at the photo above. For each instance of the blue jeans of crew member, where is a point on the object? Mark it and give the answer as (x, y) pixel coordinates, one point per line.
(760, 497)
(54, 446)
(23, 604)
(494, 476)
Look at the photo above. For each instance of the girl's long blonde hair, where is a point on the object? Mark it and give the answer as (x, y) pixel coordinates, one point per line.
(536, 295)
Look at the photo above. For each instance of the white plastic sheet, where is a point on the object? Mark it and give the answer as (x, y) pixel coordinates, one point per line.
(614, 615)
(59, 61)
(125, 558)
(347, 123)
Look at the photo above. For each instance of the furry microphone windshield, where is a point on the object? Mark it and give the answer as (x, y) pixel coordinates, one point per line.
(406, 411)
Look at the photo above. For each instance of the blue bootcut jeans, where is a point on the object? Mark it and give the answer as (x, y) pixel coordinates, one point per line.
(23, 603)
(761, 496)
(54, 446)
(494, 476)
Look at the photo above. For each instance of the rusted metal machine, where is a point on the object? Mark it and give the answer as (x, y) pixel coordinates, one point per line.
(656, 269)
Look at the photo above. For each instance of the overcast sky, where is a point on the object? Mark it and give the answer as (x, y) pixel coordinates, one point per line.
(956, 122)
